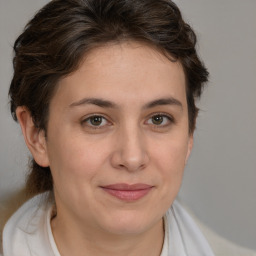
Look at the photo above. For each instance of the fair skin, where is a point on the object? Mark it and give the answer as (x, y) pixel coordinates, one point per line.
(117, 144)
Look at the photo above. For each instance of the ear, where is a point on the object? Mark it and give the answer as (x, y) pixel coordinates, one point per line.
(34, 138)
(190, 146)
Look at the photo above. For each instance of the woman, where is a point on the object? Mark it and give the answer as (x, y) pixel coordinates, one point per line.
(104, 92)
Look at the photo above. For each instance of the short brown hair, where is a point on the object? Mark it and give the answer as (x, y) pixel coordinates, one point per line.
(61, 33)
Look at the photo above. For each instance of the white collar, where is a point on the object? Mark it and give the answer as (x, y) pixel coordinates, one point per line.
(28, 232)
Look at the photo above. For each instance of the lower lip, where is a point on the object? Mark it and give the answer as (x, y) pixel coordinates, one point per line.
(128, 195)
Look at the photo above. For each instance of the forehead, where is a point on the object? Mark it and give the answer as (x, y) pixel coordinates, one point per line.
(129, 68)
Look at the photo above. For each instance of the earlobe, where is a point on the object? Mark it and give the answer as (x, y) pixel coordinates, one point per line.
(34, 138)
(190, 146)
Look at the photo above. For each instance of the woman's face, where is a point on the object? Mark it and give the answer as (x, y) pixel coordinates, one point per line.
(118, 140)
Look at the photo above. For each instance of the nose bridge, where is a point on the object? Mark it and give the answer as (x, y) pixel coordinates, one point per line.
(131, 149)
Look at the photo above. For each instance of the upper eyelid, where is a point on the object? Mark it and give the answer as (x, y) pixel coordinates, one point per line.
(161, 114)
(86, 117)
(171, 121)
(110, 120)
(84, 122)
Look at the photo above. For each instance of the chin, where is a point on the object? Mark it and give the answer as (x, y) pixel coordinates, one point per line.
(130, 223)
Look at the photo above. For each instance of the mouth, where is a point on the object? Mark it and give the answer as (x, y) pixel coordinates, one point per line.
(126, 192)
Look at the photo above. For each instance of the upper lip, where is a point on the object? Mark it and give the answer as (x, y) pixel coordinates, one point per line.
(127, 187)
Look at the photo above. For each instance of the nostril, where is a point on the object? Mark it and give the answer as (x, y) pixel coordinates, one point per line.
(130, 152)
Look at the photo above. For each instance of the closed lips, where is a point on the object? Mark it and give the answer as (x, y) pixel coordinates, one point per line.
(126, 192)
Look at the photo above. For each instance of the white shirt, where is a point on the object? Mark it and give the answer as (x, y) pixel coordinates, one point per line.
(28, 232)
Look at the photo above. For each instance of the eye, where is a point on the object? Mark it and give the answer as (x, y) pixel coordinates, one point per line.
(95, 121)
(157, 120)
(160, 120)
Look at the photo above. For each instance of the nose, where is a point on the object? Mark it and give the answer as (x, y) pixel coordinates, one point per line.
(130, 151)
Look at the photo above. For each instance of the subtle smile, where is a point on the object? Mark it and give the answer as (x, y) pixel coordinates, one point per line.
(128, 192)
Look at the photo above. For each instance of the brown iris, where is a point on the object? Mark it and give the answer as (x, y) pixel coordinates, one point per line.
(157, 120)
(96, 120)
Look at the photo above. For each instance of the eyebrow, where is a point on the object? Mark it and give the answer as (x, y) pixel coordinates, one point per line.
(94, 101)
(108, 104)
(164, 101)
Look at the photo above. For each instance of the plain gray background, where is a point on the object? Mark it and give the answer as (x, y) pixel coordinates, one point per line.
(219, 182)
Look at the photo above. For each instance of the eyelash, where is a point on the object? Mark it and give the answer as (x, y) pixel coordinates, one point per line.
(170, 120)
(91, 126)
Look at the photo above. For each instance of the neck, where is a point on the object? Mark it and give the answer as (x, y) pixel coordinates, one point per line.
(74, 239)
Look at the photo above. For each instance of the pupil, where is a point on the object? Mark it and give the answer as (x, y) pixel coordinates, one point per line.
(157, 119)
(96, 120)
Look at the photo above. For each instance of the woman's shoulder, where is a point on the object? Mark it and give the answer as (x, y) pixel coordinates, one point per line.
(29, 210)
(220, 245)
(8, 206)
(26, 225)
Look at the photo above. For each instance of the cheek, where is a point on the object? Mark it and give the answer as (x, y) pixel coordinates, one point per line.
(74, 158)
(170, 158)
(171, 155)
